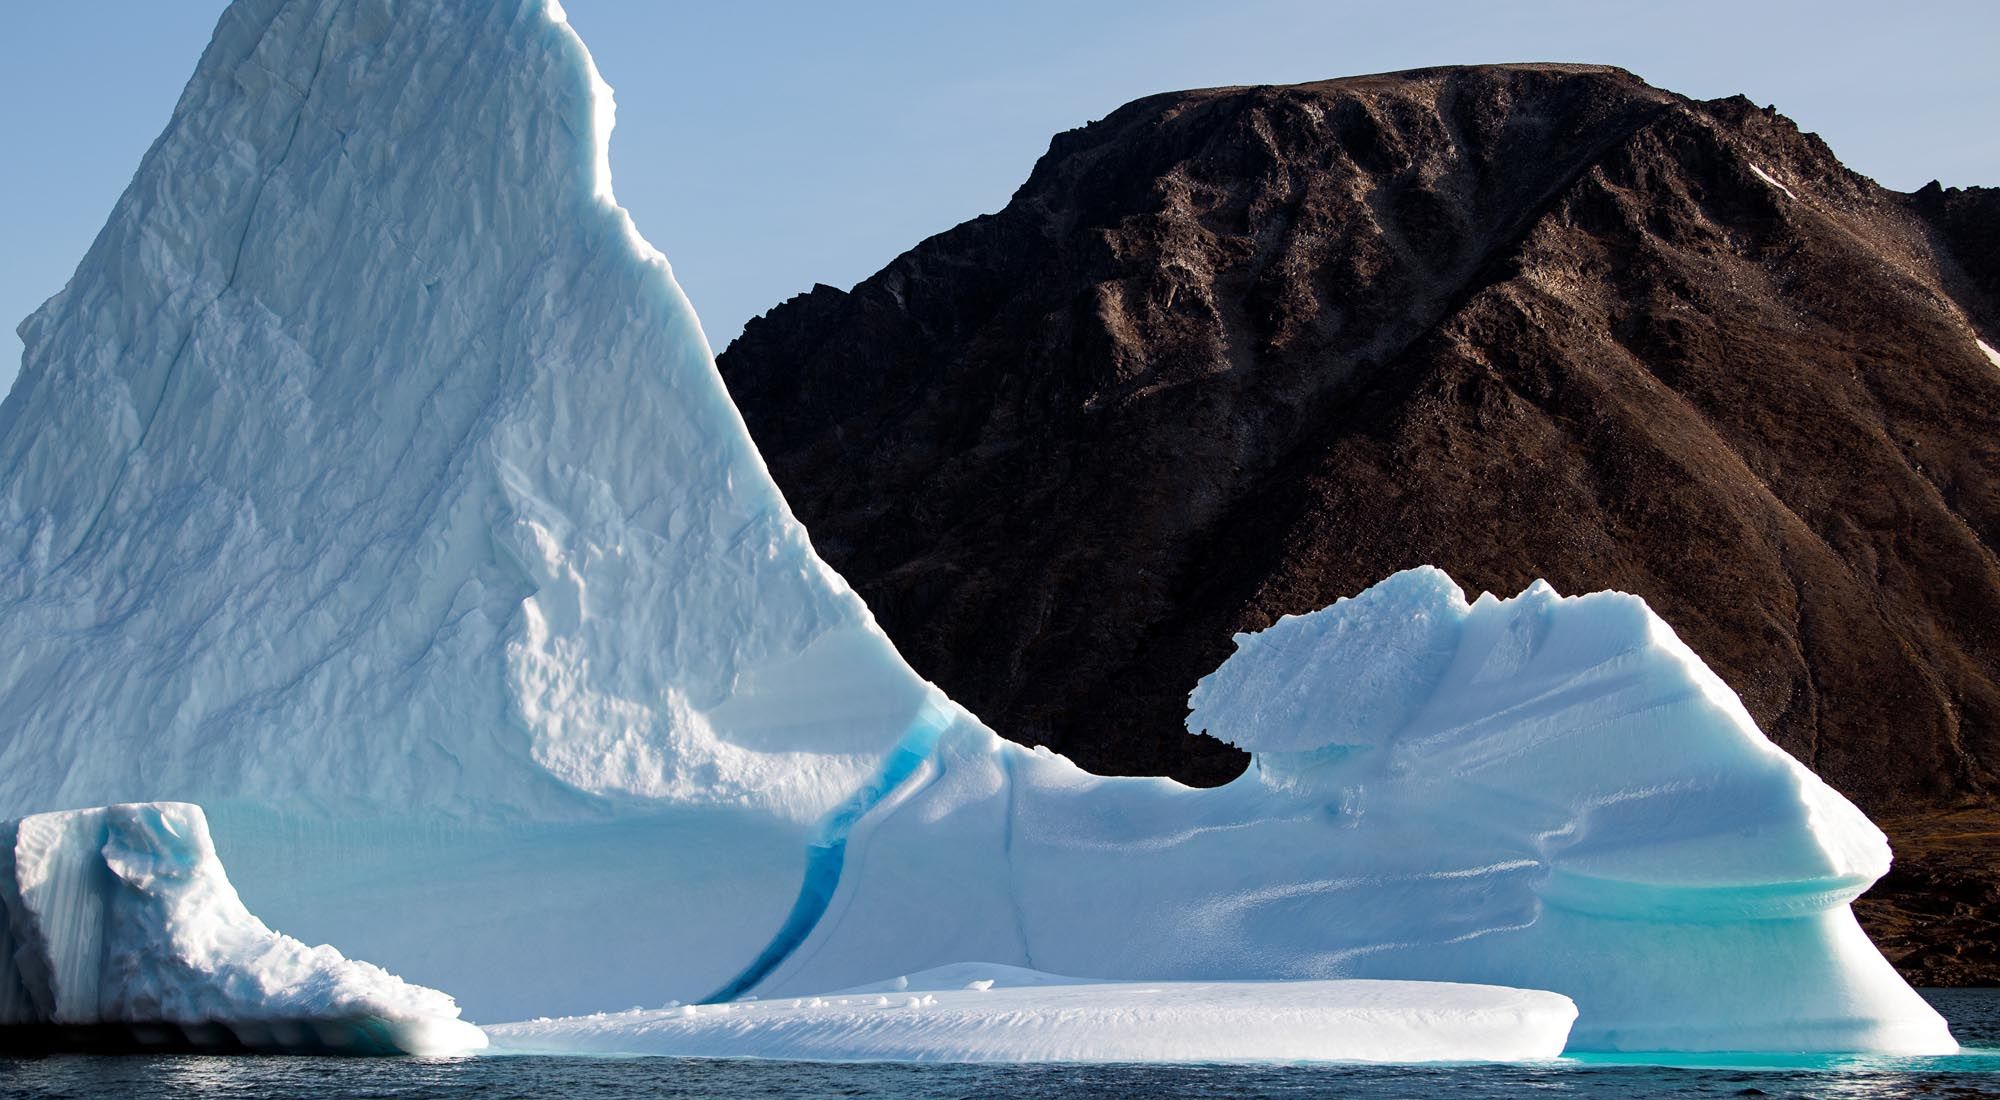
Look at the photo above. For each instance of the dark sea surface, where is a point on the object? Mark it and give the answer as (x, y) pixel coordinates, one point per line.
(1974, 1016)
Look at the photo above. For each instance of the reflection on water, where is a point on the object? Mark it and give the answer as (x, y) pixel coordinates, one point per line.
(1974, 1016)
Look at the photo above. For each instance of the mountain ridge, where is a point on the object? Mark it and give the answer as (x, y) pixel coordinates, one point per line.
(1233, 353)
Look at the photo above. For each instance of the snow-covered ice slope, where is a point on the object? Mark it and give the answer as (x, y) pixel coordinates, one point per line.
(122, 917)
(984, 1013)
(371, 484)
(370, 423)
(1540, 792)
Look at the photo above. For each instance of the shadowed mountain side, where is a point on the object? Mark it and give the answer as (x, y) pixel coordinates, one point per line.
(1231, 354)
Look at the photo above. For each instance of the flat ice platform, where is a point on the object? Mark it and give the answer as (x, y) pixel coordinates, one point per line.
(971, 1012)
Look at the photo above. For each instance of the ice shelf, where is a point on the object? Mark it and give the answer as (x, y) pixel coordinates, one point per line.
(976, 1012)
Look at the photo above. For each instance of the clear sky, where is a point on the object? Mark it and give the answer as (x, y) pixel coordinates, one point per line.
(767, 146)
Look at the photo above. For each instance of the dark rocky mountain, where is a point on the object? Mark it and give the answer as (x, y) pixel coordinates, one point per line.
(1231, 354)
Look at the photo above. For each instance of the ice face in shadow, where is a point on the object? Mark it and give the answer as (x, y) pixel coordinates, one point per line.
(1539, 792)
(118, 927)
(371, 484)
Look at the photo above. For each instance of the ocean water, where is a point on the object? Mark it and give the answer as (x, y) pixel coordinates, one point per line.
(1974, 1015)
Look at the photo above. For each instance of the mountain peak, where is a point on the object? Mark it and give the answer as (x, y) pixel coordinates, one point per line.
(1231, 353)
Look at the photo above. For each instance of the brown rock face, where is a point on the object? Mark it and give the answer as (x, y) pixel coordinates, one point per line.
(1231, 354)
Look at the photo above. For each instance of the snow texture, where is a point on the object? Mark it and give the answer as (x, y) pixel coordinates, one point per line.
(986, 1013)
(372, 484)
(123, 915)
(1992, 356)
(1767, 178)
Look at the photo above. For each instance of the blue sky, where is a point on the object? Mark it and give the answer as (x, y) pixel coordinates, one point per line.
(768, 146)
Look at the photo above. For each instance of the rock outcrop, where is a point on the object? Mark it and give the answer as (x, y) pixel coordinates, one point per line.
(1231, 354)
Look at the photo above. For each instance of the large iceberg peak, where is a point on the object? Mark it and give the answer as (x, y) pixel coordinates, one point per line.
(371, 484)
(371, 423)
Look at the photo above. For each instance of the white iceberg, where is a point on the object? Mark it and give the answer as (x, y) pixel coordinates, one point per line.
(372, 485)
(975, 1012)
(1539, 792)
(118, 928)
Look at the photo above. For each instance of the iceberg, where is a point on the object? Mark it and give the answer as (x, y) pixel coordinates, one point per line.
(1543, 792)
(118, 928)
(371, 485)
(388, 505)
(973, 1012)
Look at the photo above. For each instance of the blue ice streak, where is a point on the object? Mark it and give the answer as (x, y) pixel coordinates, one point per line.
(827, 854)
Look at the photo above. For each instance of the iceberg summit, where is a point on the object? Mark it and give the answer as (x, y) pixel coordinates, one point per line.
(371, 485)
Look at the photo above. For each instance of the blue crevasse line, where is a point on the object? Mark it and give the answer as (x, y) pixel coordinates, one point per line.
(826, 855)
(1007, 855)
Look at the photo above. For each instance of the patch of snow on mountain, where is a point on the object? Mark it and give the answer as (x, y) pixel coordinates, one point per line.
(1767, 178)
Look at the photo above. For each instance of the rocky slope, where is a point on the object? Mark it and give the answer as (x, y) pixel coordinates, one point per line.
(1231, 354)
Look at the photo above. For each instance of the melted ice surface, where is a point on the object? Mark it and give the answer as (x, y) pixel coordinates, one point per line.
(973, 1012)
